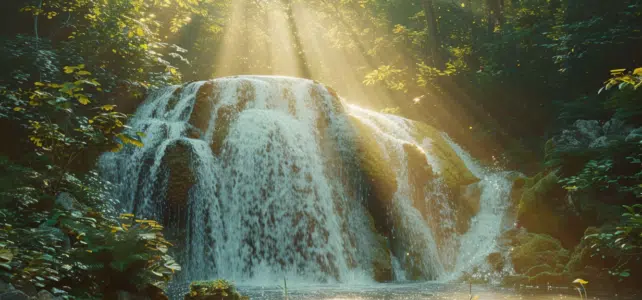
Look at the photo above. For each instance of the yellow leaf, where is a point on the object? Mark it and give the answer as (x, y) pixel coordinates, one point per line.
(172, 70)
(83, 72)
(38, 84)
(637, 71)
(107, 107)
(139, 31)
(91, 121)
(83, 99)
(617, 71)
(17, 108)
(580, 281)
(113, 50)
(117, 148)
(68, 69)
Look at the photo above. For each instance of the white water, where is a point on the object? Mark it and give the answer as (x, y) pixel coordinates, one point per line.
(282, 196)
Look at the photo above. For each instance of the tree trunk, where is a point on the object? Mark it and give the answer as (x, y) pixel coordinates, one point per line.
(473, 22)
(433, 34)
(304, 69)
(494, 11)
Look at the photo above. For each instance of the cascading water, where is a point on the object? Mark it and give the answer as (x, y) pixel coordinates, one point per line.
(264, 177)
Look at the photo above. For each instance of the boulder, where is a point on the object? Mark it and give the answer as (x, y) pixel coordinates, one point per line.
(377, 173)
(451, 167)
(206, 96)
(180, 180)
(213, 290)
(535, 250)
(543, 208)
(419, 174)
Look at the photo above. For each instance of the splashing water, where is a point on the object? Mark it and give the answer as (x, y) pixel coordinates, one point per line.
(263, 177)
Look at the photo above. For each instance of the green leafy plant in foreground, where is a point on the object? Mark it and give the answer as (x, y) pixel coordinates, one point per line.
(625, 242)
(85, 250)
(81, 249)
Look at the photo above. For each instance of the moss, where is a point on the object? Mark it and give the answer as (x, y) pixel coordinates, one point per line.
(550, 278)
(539, 269)
(537, 249)
(583, 257)
(512, 280)
(453, 169)
(537, 208)
(213, 290)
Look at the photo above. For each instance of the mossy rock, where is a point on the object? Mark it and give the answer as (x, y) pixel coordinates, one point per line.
(550, 278)
(542, 209)
(378, 174)
(512, 280)
(532, 250)
(539, 269)
(452, 167)
(213, 290)
(180, 180)
(584, 257)
(534, 192)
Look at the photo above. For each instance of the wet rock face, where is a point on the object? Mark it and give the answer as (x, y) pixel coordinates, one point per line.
(378, 175)
(381, 263)
(420, 174)
(226, 114)
(537, 259)
(180, 179)
(202, 109)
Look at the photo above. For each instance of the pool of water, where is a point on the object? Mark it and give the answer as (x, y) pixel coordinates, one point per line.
(436, 291)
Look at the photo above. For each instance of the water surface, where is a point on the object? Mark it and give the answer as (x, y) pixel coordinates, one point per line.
(427, 290)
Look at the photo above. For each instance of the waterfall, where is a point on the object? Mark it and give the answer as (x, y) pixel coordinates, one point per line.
(261, 177)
